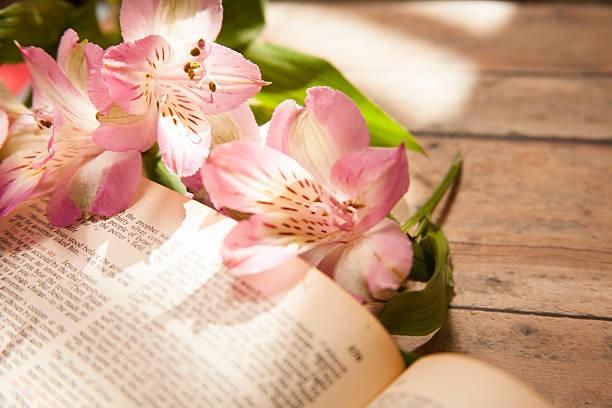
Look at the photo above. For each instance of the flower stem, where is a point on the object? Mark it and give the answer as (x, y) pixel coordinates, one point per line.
(430, 205)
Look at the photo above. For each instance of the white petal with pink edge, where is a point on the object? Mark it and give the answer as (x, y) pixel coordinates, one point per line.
(252, 178)
(329, 127)
(175, 20)
(76, 109)
(232, 78)
(238, 124)
(18, 180)
(377, 264)
(183, 150)
(103, 186)
(71, 59)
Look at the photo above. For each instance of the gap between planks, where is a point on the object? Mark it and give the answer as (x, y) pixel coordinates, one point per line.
(512, 137)
(531, 313)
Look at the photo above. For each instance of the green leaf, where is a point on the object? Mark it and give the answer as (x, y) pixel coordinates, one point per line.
(419, 313)
(291, 73)
(423, 264)
(430, 205)
(32, 22)
(242, 22)
(156, 171)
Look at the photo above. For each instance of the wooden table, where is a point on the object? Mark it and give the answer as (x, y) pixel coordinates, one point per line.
(525, 93)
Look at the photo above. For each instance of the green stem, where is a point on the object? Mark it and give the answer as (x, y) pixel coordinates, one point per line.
(430, 205)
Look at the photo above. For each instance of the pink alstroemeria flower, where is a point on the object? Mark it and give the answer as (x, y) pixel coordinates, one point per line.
(49, 149)
(170, 69)
(318, 190)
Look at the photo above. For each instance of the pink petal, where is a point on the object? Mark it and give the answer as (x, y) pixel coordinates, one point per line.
(377, 264)
(120, 131)
(18, 180)
(66, 47)
(71, 59)
(247, 250)
(373, 180)
(105, 185)
(61, 209)
(174, 20)
(183, 151)
(236, 79)
(123, 68)
(51, 81)
(4, 127)
(327, 129)
(316, 255)
(252, 178)
(238, 124)
(96, 88)
(193, 183)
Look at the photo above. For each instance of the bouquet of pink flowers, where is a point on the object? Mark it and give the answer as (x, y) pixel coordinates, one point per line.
(280, 141)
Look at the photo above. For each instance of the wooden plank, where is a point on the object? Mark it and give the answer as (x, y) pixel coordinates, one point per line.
(437, 79)
(493, 36)
(572, 108)
(531, 225)
(569, 361)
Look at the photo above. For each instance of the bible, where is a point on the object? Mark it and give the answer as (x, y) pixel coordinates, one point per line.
(137, 310)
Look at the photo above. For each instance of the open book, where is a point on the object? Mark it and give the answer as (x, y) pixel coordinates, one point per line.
(137, 311)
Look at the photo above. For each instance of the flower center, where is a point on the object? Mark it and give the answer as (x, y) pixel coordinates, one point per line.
(43, 117)
(195, 69)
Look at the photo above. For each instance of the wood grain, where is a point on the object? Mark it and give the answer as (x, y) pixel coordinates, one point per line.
(531, 224)
(540, 74)
(567, 360)
(499, 36)
(496, 105)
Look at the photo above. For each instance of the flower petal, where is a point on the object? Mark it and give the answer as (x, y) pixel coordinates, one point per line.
(71, 59)
(175, 20)
(18, 180)
(247, 249)
(252, 178)
(238, 124)
(235, 78)
(105, 185)
(373, 180)
(120, 131)
(22, 169)
(183, 151)
(97, 90)
(375, 265)
(61, 209)
(50, 80)
(329, 127)
(126, 72)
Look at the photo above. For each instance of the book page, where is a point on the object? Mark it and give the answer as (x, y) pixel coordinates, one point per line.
(137, 311)
(449, 380)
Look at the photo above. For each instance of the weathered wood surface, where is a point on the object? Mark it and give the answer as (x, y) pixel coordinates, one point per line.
(496, 104)
(559, 38)
(533, 70)
(527, 98)
(567, 360)
(531, 225)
